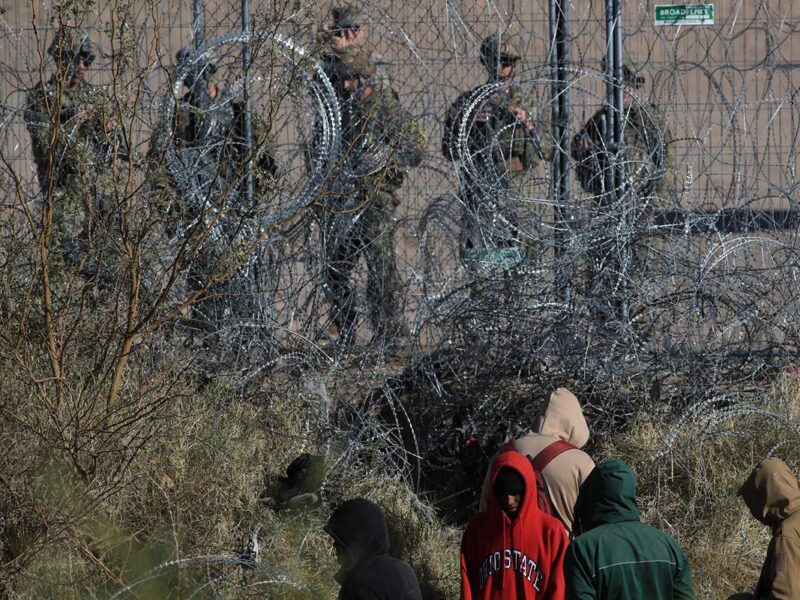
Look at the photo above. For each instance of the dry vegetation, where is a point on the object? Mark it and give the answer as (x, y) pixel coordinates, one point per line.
(133, 465)
(690, 469)
(173, 516)
(192, 490)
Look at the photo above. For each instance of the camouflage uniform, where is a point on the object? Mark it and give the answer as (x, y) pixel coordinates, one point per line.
(202, 125)
(647, 153)
(495, 159)
(72, 160)
(647, 166)
(210, 149)
(351, 18)
(380, 143)
(210, 138)
(237, 150)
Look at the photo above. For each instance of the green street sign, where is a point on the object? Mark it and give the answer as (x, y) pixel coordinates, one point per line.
(684, 14)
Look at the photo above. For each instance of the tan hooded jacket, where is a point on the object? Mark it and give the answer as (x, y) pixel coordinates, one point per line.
(560, 418)
(773, 496)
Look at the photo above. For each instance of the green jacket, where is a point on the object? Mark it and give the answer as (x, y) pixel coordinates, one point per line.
(615, 556)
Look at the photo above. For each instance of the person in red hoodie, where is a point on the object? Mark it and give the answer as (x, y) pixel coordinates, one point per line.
(512, 550)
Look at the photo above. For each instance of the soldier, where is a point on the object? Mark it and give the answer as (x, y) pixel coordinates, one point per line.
(72, 142)
(347, 31)
(203, 117)
(380, 143)
(491, 132)
(207, 166)
(265, 165)
(209, 134)
(645, 162)
(646, 158)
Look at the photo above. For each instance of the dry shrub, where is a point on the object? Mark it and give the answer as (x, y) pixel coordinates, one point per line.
(181, 512)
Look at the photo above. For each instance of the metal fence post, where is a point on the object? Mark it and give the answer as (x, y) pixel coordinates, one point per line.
(198, 27)
(609, 125)
(622, 191)
(614, 178)
(247, 116)
(559, 57)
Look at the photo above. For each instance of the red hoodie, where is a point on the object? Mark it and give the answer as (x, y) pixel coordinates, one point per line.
(503, 559)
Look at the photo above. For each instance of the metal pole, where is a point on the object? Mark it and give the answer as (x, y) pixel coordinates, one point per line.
(610, 120)
(198, 28)
(559, 56)
(614, 177)
(623, 189)
(555, 124)
(563, 114)
(248, 121)
(619, 108)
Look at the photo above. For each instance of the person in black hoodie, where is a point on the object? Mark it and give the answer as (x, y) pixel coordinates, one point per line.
(361, 539)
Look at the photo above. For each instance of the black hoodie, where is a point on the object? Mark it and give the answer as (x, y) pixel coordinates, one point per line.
(369, 573)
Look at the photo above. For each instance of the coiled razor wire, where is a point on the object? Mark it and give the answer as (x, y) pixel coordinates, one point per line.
(215, 576)
(712, 419)
(306, 79)
(296, 99)
(673, 295)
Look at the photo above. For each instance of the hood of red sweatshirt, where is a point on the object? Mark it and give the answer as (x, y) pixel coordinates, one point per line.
(514, 530)
(521, 465)
(513, 558)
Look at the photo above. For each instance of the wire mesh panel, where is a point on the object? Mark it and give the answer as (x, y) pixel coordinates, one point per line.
(505, 257)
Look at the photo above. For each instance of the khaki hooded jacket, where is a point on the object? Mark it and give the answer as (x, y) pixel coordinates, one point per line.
(773, 496)
(560, 418)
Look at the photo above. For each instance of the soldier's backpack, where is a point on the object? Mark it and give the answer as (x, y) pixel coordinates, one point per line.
(539, 462)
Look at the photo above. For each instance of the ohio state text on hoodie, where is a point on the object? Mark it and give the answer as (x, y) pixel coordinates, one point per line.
(505, 559)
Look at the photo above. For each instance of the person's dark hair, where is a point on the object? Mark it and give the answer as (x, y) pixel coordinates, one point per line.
(508, 481)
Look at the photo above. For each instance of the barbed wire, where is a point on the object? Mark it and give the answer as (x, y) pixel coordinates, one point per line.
(678, 283)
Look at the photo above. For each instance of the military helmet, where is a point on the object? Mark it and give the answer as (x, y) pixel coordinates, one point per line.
(498, 49)
(70, 44)
(346, 17)
(204, 68)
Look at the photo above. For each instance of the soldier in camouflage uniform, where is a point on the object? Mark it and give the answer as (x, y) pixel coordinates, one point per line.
(498, 150)
(210, 149)
(380, 143)
(74, 144)
(203, 119)
(646, 159)
(646, 164)
(348, 31)
(209, 135)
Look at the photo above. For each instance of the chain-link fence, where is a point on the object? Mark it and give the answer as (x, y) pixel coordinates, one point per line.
(627, 225)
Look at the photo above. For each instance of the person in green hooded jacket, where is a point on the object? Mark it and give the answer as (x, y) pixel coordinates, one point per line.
(616, 556)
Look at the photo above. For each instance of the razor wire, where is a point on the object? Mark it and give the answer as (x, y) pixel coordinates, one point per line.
(671, 291)
(216, 576)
